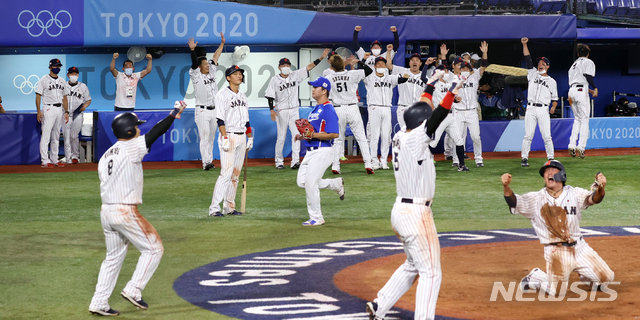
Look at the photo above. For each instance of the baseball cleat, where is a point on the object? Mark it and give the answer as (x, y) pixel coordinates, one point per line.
(463, 168)
(47, 165)
(448, 158)
(480, 164)
(524, 162)
(581, 153)
(295, 166)
(385, 166)
(455, 164)
(215, 214)
(466, 156)
(138, 303)
(310, 222)
(109, 312)
(343, 158)
(60, 164)
(75, 161)
(208, 166)
(341, 189)
(372, 307)
(335, 171)
(370, 171)
(376, 166)
(572, 152)
(280, 167)
(234, 213)
(524, 283)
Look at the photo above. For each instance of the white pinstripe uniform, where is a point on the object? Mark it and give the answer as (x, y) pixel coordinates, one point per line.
(78, 95)
(448, 125)
(541, 92)
(379, 94)
(51, 91)
(371, 60)
(285, 93)
(233, 110)
(408, 92)
(344, 99)
(466, 114)
(579, 93)
(120, 171)
(580, 257)
(205, 88)
(412, 220)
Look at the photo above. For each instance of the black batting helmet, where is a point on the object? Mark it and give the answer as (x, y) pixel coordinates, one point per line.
(416, 114)
(124, 125)
(561, 176)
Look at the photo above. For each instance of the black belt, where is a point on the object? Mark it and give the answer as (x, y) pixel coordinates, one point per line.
(315, 148)
(537, 104)
(409, 200)
(56, 104)
(238, 133)
(565, 244)
(207, 107)
(577, 85)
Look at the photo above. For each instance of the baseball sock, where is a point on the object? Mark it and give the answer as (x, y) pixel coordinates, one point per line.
(460, 154)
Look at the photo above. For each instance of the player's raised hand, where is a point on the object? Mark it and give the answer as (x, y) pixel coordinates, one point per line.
(436, 76)
(192, 44)
(524, 40)
(429, 61)
(390, 47)
(455, 87)
(178, 107)
(325, 53)
(393, 29)
(367, 55)
(444, 50)
(484, 47)
(506, 179)
(601, 179)
(222, 39)
(358, 28)
(115, 55)
(148, 56)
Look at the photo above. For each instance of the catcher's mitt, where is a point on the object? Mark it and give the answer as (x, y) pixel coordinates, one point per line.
(305, 128)
(556, 220)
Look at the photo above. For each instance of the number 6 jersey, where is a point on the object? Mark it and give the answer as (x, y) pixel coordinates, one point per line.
(120, 171)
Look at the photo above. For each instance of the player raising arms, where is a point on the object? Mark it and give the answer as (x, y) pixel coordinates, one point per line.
(411, 217)
(120, 171)
(376, 47)
(555, 213)
(580, 78)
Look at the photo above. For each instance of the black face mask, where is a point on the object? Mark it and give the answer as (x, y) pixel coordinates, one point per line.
(55, 70)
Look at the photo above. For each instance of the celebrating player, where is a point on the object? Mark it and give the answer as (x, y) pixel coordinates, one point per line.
(78, 100)
(580, 78)
(376, 47)
(127, 82)
(555, 213)
(542, 92)
(203, 77)
(318, 141)
(283, 89)
(233, 121)
(411, 217)
(379, 93)
(120, 171)
(345, 101)
(52, 92)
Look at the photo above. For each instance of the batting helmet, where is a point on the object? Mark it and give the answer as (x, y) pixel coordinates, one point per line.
(416, 114)
(124, 125)
(561, 176)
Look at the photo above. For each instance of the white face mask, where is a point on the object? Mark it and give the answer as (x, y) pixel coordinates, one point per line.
(381, 70)
(73, 79)
(376, 52)
(285, 70)
(542, 72)
(128, 71)
(465, 74)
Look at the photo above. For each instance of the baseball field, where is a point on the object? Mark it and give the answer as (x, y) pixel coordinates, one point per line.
(52, 245)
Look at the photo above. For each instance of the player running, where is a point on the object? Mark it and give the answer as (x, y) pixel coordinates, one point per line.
(555, 213)
(580, 78)
(78, 100)
(120, 171)
(542, 92)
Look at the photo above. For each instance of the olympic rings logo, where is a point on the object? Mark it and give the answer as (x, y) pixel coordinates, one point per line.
(26, 83)
(51, 19)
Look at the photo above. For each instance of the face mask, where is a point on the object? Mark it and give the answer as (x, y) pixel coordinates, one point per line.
(381, 70)
(285, 70)
(376, 52)
(73, 79)
(542, 72)
(465, 73)
(128, 71)
(55, 70)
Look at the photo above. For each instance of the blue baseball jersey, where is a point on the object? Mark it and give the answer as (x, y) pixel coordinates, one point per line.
(323, 118)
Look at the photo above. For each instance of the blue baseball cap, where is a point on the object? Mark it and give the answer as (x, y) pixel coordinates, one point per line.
(321, 82)
(284, 61)
(380, 59)
(55, 63)
(543, 59)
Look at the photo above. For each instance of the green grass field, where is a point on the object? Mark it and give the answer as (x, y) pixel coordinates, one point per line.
(51, 241)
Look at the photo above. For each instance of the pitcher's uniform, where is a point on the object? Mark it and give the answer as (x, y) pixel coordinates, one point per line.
(542, 91)
(466, 115)
(52, 90)
(78, 95)
(285, 93)
(205, 89)
(562, 257)
(408, 92)
(579, 94)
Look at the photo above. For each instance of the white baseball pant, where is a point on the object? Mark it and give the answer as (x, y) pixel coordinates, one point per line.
(380, 130)
(71, 133)
(350, 114)
(207, 127)
(469, 119)
(52, 120)
(450, 126)
(230, 167)
(122, 224)
(541, 116)
(312, 168)
(581, 110)
(581, 259)
(287, 118)
(414, 225)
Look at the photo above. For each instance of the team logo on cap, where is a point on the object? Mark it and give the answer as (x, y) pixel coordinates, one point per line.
(44, 21)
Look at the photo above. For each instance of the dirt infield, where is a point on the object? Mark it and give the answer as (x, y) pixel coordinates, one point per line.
(467, 282)
(269, 162)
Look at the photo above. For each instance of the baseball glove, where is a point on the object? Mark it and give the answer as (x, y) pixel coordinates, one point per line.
(305, 128)
(556, 220)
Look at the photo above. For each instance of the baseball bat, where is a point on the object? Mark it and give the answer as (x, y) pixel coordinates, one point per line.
(243, 198)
